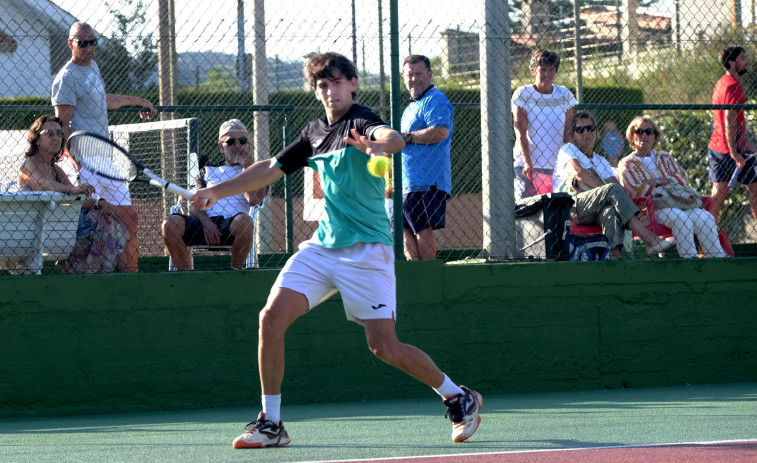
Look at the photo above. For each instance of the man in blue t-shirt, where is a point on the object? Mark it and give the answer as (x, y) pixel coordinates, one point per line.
(427, 125)
(350, 252)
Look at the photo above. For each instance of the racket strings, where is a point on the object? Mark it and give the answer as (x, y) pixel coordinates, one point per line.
(102, 158)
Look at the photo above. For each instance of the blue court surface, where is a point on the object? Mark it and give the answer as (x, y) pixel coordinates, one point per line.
(396, 428)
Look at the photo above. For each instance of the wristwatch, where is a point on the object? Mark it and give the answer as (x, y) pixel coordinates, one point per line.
(408, 137)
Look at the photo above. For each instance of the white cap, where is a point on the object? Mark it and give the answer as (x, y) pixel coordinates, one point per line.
(231, 125)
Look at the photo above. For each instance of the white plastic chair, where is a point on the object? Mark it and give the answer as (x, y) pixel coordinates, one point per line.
(251, 262)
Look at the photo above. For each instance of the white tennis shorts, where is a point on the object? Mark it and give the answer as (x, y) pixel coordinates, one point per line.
(114, 191)
(363, 273)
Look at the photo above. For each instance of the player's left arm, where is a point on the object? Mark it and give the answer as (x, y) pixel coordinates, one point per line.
(383, 140)
(429, 135)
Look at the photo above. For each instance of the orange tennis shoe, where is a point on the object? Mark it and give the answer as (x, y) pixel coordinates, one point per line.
(463, 410)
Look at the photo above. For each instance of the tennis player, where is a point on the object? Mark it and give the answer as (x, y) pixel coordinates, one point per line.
(350, 252)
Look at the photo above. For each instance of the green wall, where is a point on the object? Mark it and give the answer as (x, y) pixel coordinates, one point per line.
(120, 343)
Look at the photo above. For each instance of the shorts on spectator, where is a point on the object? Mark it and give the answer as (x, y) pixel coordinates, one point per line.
(424, 209)
(722, 167)
(194, 235)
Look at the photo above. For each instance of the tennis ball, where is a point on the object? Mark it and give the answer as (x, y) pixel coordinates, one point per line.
(378, 165)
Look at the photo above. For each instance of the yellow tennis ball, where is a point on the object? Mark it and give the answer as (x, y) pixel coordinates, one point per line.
(378, 165)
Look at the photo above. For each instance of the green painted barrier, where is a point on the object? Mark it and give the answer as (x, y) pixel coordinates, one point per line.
(122, 343)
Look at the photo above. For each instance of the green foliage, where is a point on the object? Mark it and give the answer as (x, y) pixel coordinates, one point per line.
(128, 60)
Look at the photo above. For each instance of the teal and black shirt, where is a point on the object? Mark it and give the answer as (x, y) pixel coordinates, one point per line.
(354, 198)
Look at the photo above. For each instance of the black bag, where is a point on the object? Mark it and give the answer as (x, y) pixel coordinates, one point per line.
(588, 247)
(542, 225)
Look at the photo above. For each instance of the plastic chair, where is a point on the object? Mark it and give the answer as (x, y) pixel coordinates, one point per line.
(251, 261)
(646, 203)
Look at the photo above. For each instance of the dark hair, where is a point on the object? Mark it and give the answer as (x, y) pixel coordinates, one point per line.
(415, 59)
(541, 57)
(33, 134)
(324, 65)
(730, 54)
(582, 115)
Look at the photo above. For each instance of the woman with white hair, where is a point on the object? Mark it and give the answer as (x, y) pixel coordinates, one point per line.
(646, 168)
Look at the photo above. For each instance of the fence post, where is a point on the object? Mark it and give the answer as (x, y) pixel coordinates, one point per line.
(498, 198)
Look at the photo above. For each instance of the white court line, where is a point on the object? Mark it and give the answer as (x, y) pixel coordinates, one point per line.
(673, 444)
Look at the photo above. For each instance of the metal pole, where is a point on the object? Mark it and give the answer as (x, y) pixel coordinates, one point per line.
(354, 35)
(382, 77)
(497, 173)
(241, 70)
(394, 40)
(579, 58)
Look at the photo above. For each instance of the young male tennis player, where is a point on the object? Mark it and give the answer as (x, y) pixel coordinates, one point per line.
(350, 252)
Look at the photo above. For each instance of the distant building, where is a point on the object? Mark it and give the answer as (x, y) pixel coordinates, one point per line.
(599, 32)
(33, 46)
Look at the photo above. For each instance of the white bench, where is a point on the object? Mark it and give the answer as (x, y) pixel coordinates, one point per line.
(36, 226)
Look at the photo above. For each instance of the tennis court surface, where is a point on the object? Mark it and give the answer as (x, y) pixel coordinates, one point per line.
(704, 423)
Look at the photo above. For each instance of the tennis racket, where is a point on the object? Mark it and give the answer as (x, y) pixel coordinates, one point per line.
(738, 170)
(104, 157)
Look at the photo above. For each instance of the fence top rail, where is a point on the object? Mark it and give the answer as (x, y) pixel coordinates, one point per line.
(659, 107)
(168, 108)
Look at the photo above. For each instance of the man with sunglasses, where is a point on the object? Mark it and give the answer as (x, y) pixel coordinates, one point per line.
(227, 221)
(80, 101)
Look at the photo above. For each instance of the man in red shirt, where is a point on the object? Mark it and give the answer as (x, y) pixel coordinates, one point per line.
(729, 147)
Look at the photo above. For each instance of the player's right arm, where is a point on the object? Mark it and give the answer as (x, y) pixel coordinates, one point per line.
(732, 136)
(258, 175)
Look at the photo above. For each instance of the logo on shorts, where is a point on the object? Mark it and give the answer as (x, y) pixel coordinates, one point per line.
(376, 307)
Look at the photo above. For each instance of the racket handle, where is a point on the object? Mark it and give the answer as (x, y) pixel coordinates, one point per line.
(176, 189)
(733, 177)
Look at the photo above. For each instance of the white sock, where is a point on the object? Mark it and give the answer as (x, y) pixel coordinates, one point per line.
(272, 407)
(448, 388)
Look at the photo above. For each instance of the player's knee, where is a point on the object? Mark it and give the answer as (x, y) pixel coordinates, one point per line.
(386, 351)
(271, 323)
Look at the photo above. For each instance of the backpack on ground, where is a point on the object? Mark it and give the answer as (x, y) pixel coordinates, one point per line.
(588, 247)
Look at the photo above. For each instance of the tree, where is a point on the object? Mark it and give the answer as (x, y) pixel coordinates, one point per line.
(128, 60)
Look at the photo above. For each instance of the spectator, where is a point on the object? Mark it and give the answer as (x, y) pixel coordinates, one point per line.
(542, 114)
(599, 198)
(729, 145)
(427, 126)
(78, 94)
(100, 238)
(227, 221)
(645, 168)
(351, 252)
(612, 143)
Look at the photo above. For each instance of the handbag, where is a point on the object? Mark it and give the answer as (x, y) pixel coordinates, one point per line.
(675, 195)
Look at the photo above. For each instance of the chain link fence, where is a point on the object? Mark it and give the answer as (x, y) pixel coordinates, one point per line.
(245, 60)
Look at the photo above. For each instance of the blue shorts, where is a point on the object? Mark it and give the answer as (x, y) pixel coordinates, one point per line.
(424, 209)
(193, 234)
(722, 167)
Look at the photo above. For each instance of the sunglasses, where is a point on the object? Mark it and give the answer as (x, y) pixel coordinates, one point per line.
(232, 141)
(84, 43)
(584, 128)
(646, 131)
(52, 132)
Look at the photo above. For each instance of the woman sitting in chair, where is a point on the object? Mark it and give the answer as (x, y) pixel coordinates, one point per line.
(100, 238)
(646, 168)
(599, 197)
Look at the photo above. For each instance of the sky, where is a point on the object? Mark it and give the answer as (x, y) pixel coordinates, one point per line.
(297, 27)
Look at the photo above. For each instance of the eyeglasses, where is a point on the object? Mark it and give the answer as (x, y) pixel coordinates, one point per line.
(84, 43)
(232, 141)
(52, 132)
(584, 128)
(647, 131)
